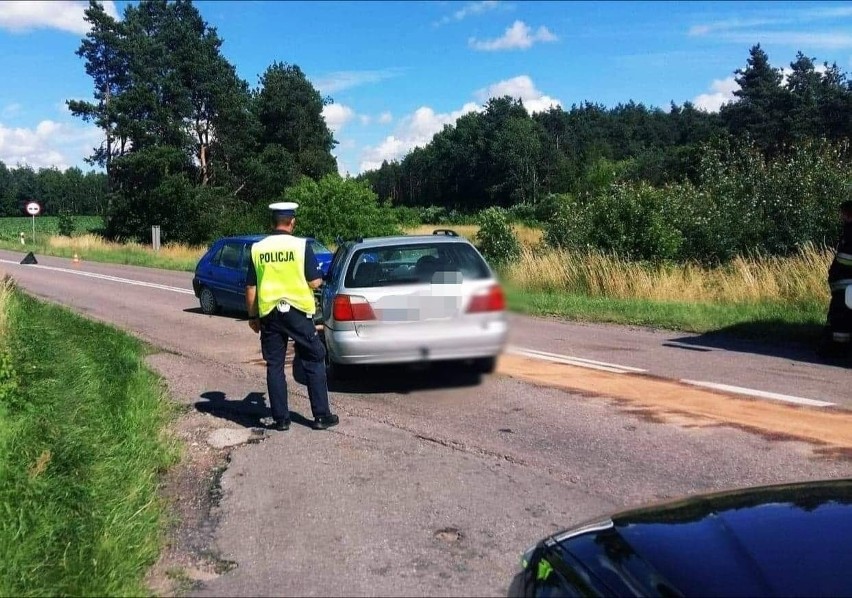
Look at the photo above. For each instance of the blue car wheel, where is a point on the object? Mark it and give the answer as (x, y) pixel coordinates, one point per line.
(209, 305)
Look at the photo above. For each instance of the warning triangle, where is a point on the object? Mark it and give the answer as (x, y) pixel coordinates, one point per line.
(29, 259)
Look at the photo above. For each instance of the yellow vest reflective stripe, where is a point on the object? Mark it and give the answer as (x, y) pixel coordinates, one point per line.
(279, 261)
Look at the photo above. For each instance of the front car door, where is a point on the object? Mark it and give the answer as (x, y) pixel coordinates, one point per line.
(229, 275)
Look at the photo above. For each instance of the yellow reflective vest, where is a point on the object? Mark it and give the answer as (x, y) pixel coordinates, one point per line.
(279, 261)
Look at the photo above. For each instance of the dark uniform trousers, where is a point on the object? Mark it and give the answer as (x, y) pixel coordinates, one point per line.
(275, 329)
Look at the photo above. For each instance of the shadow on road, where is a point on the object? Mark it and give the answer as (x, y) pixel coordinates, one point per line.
(246, 412)
(400, 379)
(797, 342)
(231, 315)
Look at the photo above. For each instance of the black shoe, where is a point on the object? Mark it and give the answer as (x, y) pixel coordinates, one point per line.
(324, 422)
(281, 425)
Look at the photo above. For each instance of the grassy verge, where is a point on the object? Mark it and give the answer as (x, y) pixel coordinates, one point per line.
(82, 445)
(759, 321)
(94, 248)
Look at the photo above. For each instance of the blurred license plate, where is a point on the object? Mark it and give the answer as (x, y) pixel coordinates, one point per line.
(414, 308)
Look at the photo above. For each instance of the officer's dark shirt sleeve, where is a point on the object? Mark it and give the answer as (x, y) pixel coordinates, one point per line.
(251, 274)
(312, 269)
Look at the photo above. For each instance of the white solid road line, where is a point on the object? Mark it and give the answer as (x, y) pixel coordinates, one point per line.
(140, 283)
(760, 393)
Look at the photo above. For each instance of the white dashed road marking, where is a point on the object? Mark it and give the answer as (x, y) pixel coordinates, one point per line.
(623, 369)
(760, 393)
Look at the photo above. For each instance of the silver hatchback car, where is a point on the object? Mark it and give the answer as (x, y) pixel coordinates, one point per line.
(412, 299)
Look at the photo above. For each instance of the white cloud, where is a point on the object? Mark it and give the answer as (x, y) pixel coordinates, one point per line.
(385, 118)
(12, 109)
(341, 80)
(765, 30)
(522, 88)
(365, 119)
(49, 144)
(418, 128)
(66, 15)
(722, 92)
(794, 39)
(707, 28)
(470, 9)
(337, 115)
(415, 130)
(518, 36)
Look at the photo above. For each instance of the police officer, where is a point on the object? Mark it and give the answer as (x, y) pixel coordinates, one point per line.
(839, 324)
(280, 303)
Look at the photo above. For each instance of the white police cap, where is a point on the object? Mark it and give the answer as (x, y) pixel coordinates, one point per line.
(284, 208)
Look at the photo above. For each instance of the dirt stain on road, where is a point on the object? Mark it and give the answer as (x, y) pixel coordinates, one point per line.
(675, 402)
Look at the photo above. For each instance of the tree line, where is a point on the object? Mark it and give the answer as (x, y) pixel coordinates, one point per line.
(188, 144)
(57, 192)
(503, 156)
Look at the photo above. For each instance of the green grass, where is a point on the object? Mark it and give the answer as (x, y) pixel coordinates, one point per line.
(762, 321)
(130, 256)
(45, 226)
(82, 445)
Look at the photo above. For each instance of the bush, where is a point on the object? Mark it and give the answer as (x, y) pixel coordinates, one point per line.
(433, 215)
(537, 213)
(66, 223)
(406, 217)
(334, 206)
(632, 220)
(495, 238)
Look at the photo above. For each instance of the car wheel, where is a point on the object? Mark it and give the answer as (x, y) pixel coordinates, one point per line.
(337, 371)
(485, 365)
(209, 305)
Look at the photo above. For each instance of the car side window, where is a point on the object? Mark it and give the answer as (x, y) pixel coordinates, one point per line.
(214, 259)
(246, 257)
(229, 256)
(337, 263)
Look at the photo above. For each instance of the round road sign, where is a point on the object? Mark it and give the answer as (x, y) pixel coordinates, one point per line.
(33, 208)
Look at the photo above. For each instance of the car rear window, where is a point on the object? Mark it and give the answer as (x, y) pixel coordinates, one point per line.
(319, 247)
(391, 265)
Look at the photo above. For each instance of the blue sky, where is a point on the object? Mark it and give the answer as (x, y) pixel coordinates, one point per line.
(399, 71)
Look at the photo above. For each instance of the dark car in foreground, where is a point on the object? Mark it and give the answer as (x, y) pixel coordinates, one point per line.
(790, 540)
(220, 276)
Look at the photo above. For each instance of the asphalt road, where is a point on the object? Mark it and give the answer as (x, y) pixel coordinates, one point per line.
(434, 482)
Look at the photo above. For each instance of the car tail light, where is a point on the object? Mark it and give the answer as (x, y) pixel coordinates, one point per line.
(491, 299)
(352, 308)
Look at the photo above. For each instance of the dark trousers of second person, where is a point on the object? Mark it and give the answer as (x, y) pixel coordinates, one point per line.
(275, 329)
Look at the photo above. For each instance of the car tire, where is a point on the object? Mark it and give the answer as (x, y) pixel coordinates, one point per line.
(208, 302)
(485, 365)
(339, 371)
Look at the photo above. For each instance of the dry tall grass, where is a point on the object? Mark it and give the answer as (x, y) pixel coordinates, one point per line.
(792, 280)
(6, 286)
(528, 236)
(84, 243)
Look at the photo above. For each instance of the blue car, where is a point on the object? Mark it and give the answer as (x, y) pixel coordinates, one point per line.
(220, 276)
